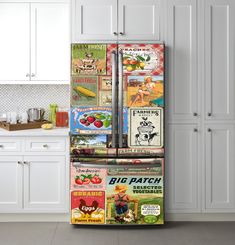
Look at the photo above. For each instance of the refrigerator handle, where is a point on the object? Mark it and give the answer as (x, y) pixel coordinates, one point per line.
(114, 98)
(120, 100)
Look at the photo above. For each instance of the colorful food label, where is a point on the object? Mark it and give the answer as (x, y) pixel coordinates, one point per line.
(93, 120)
(87, 207)
(135, 170)
(105, 83)
(145, 91)
(84, 91)
(84, 178)
(143, 59)
(156, 152)
(138, 161)
(88, 59)
(134, 199)
(88, 141)
(145, 127)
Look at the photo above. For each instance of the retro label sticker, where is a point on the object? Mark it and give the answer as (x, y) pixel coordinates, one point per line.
(142, 59)
(84, 178)
(156, 152)
(145, 127)
(88, 59)
(84, 91)
(145, 91)
(87, 207)
(94, 120)
(134, 199)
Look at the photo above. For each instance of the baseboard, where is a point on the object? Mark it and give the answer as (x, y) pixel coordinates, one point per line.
(193, 217)
(200, 217)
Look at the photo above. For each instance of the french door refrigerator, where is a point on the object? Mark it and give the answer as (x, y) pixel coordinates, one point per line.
(117, 134)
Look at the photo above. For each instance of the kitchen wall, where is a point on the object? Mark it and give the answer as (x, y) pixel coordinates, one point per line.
(22, 97)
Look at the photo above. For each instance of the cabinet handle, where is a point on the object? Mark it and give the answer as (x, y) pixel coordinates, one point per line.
(209, 114)
(115, 33)
(19, 162)
(26, 162)
(45, 146)
(32, 75)
(27, 75)
(195, 114)
(1, 146)
(195, 130)
(121, 33)
(209, 130)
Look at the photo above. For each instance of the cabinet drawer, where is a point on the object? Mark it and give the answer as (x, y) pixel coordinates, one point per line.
(44, 144)
(9, 144)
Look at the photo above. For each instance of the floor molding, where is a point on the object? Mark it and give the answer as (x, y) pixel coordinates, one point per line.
(65, 217)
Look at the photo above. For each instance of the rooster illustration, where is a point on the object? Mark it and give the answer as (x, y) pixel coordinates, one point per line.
(88, 209)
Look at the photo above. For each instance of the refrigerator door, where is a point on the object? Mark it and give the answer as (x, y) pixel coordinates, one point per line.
(117, 195)
(94, 115)
(141, 95)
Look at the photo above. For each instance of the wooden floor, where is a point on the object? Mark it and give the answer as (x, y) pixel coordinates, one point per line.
(175, 233)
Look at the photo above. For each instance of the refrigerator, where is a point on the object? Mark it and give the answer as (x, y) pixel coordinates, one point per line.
(117, 134)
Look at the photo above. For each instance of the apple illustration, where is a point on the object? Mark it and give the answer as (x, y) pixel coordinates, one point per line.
(83, 121)
(98, 123)
(90, 119)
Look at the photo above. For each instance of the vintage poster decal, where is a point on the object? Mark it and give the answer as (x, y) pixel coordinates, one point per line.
(91, 120)
(156, 152)
(94, 120)
(88, 141)
(110, 48)
(145, 127)
(84, 178)
(88, 59)
(145, 91)
(105, 83)
(135, 170)
(134, 199)
(87, 207)
(84, 91)
(105, 98)
(143, 59)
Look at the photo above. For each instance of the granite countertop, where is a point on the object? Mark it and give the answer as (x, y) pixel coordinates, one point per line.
(36, 132)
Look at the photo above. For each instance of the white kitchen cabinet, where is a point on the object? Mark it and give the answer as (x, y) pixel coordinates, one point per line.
(34, 43)
(182, 168)
(115, 20)
(50, 42)
(11, 174)
(44, 183)
(14, 42)
(181, 60)
(219, 59)
(220, 168)
(34, 179)
(94, 20)
(139, 20)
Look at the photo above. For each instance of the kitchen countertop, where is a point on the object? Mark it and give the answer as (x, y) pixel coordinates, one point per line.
(36, 132)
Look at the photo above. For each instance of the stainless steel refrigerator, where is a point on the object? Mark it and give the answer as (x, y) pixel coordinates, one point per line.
(117, 134)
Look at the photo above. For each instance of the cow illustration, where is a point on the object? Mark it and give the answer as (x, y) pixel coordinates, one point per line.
(146, 133)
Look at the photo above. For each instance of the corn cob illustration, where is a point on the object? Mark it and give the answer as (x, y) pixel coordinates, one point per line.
(84, 91)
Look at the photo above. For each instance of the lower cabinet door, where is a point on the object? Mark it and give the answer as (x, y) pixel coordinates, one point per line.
(220, 168)
(11, 174)
(181, 169)
(45, 184)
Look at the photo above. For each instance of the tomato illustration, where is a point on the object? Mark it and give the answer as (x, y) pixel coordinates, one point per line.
(86, 181)
(78, 181)
(96, 179)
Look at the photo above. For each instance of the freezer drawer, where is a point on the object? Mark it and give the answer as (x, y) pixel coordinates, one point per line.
(117, 195)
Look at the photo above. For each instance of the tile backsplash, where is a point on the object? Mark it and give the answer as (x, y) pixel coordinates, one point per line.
(22, 97)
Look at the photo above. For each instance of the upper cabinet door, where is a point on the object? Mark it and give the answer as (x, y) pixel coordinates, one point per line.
(138, 20)
(50, 42)
(14, 42)
(219, 59)
(94, 20)
(181, 42)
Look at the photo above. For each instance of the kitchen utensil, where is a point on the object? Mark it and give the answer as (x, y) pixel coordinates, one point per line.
(36, 114)
(52, 114)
